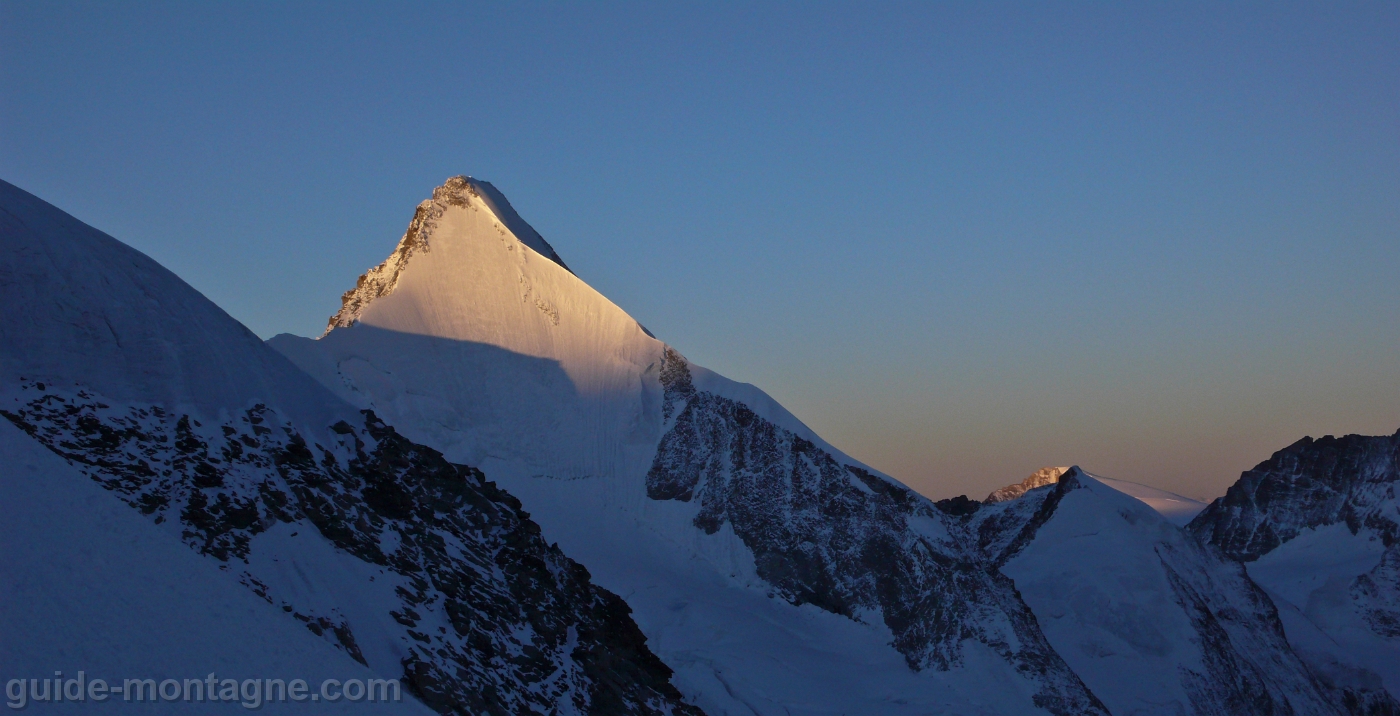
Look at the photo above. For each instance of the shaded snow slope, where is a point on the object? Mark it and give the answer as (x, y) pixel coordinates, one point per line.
(85, 308)
(91, 585)
(1176, 509)
(413, 566)
(1340, 602)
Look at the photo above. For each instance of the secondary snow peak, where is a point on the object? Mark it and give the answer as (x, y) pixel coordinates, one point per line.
(1177, 509)
(461, 192)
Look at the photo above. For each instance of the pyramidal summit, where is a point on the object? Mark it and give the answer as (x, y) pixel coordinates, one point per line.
(490, 485)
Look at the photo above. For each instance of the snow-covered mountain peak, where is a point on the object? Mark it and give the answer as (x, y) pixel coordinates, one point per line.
(392, 557)
(772, 572)
(457, 193)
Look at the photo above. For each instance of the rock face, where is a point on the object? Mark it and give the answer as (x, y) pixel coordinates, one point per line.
(89, 581)
(415, 566)
(1318, 526)
(844, 540)
(1040, 478)
(1349, 480)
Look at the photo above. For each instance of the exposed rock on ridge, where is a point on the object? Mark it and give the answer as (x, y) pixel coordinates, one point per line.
(845, 540)
(1312, 483)
(1039, 478)
(1318, 525)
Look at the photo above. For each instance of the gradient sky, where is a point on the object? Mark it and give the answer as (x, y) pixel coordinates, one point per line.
(961, 241)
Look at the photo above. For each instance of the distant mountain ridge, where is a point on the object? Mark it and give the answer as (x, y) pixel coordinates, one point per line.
(1040, 478)
(1349, 480)
(1144, 613)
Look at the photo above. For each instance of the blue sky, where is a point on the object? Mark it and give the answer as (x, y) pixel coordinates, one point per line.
(960, 240)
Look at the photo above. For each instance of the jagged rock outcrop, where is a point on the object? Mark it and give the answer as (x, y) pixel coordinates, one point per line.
(1318, 526)
(1040, 478)
(1351, 480)
(842, 539)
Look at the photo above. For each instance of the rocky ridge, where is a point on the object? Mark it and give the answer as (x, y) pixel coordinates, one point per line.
(1351, 480)
(1318, 526)
(844, 540)
(490, 618)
